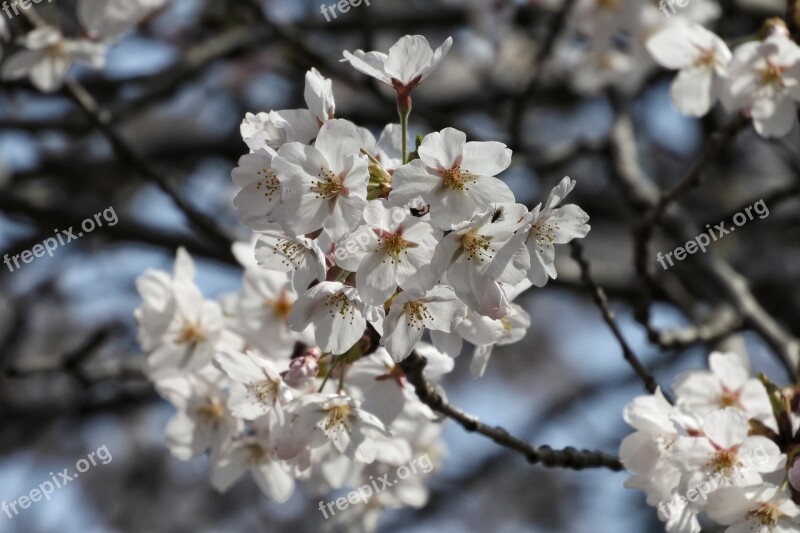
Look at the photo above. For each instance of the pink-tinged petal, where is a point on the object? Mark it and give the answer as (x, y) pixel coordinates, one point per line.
(485, 158)
(449, 207)
(693, 91)
(318, 94)
(761, 455)
(442, 150)
(570, 222)
(726, 428)
(412, 181)
(774, 119)
(274, 481)
(697, 386)
(729, 504)
(344, 216)
(339, 140)
(371, 64)
(673, 47)
(401, 334)
(731, 368)
(376, 278)
(227, 470)
(409, 58)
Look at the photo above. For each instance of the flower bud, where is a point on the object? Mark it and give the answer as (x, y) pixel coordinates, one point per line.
(303, 370)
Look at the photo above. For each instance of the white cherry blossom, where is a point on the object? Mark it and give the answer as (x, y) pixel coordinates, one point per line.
(702, 59)
(276, 128)
(550, 225)
(203, 421)
(409, 61)
(387, 250)
(755, 509)
(764, 82)
(298, 256)
(257, 388)
(261, 190)
(479, 255)
(317, 419)
(47, 56)
(326, 184)
(454, 176)
(726, 447)
(727, 384)
(411, 314)
(254, 455)
(337, 313)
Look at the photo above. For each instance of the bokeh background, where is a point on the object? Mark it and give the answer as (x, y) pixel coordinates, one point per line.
(177, 90)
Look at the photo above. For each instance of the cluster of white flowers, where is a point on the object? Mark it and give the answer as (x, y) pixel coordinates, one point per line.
(760, 79)
(718, 450)
(46, 55)
(604, 42)
(359, 247)
(615, 43)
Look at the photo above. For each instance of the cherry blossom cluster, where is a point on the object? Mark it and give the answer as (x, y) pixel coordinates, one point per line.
(760, 79)
(363, 251)
(604, 43)
(615, 43)
(726, 448)
(45, 54)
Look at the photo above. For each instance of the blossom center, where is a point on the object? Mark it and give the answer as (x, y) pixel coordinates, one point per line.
(729, 399)
(768, 514)
(477, 247)
(416, 312)
(726, 460)
(281, 307)
(268, 183)
(328, 186)
(210, 412)
(456, 179)
(343, 303)
(265, 391)
(707, 58)
(394, 244)
(191, 334)
(337, 419)
(772, 74)
(257, 455)
(292, 251)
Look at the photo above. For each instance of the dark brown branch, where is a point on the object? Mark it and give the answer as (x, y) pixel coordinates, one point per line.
(601, 300)
(414, 367)
(102, 120)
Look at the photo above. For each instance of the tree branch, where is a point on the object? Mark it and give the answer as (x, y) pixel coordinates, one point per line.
(414, 366)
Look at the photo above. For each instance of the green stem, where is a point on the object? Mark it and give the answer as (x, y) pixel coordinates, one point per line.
(334, 361)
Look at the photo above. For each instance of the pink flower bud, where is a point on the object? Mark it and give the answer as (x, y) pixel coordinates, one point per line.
(303, 370)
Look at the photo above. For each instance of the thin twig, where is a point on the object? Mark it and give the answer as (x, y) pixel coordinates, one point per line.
(102, 120)
(601, 300)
